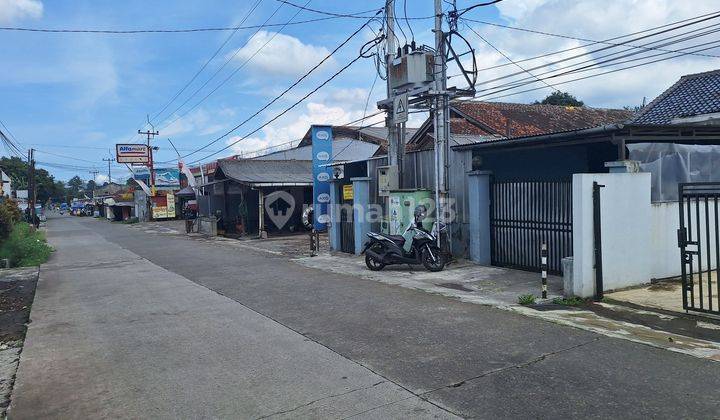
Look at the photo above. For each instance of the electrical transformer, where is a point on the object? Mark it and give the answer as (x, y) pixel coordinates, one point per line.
(412, 69)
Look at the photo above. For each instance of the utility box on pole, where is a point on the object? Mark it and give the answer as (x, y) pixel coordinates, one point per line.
(387, 179)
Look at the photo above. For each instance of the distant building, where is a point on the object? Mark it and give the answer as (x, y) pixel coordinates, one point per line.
(5, 185)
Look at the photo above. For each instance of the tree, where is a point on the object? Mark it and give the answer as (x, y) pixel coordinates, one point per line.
(47, 187)
(90, 185)
(75, 185)
(561, 98)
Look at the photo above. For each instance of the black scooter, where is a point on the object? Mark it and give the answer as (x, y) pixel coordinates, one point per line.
(382, 249)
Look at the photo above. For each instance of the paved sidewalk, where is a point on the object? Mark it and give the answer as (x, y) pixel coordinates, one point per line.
(113, 335)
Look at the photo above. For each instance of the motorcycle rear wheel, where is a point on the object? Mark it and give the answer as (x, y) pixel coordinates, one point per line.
(373, 264)
(429, 264)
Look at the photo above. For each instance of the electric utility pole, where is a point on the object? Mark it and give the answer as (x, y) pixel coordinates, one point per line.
(150, 134)
(390, 47)
(442, 111)
(94, 173)
(109, 160)
(31, 184)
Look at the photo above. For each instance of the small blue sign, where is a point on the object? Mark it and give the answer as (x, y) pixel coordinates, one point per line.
(322, 155)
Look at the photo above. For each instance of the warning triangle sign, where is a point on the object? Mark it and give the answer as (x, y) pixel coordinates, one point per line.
(400, 108)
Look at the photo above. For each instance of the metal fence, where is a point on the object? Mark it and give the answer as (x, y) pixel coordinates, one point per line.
(525, 215)
(699, 242)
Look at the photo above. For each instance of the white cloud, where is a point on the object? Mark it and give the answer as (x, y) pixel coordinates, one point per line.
(15, 10)
(338, 106)
(199, 122)
(589, 19)
(284, 55)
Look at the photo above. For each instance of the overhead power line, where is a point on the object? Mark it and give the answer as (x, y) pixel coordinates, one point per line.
(509, 59)
(295, 104)
(716, 45)
(598, 62)
(230, 76)
(171, 31)
(326, 13)
(212, 57)
(64, 156)
(591, 42)
(292, 86)
(648, 47)
(13, 146)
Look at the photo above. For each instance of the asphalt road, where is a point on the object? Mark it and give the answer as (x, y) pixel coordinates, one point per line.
(437, 356)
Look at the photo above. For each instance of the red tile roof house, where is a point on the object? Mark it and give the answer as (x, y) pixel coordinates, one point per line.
(676, 138)
(474, 122)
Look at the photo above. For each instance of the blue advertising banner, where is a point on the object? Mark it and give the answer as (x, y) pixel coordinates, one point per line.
(167, 178)
(322, 155)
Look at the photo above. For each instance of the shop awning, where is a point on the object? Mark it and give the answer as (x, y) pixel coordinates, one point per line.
(186, 192)
(262, 173)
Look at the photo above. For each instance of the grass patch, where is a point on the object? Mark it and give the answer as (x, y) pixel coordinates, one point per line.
(25, 246)
(572, 301)
(526, 300)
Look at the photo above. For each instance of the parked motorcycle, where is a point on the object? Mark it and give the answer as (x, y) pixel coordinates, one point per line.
(382, 249)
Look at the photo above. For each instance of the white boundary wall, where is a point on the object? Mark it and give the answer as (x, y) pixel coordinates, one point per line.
(627, 221)
(663, 240)
(665, 254)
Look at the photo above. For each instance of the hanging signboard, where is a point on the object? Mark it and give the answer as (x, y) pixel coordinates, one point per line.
(347, 192)
(322, 155)
(132, 153)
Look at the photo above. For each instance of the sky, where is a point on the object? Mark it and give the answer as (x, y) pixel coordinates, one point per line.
(73, 96)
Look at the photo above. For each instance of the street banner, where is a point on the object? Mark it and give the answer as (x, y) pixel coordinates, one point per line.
(132, 153)
(170, 200)
(186, 171)
(167, 178)
(322, 155)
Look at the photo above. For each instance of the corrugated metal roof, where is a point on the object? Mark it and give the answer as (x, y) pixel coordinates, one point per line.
(463, 139)
(343, 149)
(693, 94)
(255, 171)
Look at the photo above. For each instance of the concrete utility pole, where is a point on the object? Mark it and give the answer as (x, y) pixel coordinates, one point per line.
(394, 152)
(442, 111)
(94, 173)
(150, 134)
(31, 184)
(109, 160)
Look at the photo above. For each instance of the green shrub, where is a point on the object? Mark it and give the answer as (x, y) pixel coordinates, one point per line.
(9, 215)
(571, 301)
(25, 246)
(526, 300)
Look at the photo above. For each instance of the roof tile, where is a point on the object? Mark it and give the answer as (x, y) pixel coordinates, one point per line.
(693, 94)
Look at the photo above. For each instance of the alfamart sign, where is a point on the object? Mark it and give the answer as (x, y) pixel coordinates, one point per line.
(132, 153)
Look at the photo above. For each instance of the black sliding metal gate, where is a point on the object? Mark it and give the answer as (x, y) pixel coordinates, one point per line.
(523, 216)
(347, 230)
(699, 243)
